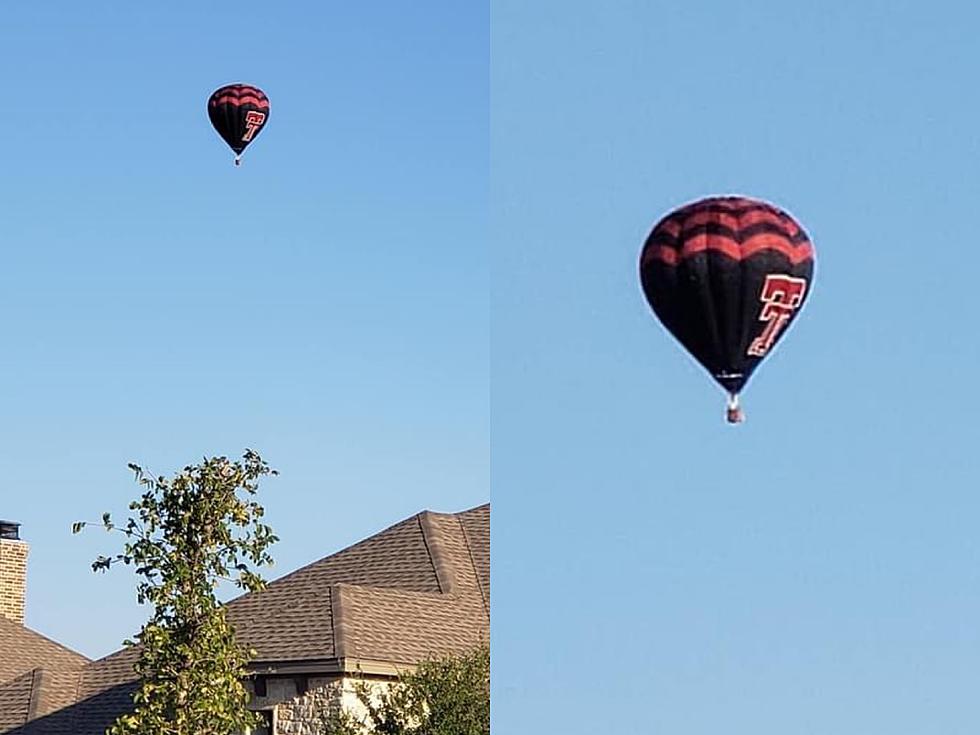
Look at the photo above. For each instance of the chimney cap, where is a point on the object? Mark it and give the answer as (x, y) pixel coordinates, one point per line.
(9, 530)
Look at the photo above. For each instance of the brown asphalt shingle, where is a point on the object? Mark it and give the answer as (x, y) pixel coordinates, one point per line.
(35, 667)
(15, 700)
(476, 528)
(24, 650)
(420, 587)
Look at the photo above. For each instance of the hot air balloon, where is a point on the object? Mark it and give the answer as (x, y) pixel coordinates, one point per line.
(238, 112)
(727, 276)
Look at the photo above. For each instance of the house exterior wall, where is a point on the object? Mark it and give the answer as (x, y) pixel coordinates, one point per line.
(13, 579)
(302, 714)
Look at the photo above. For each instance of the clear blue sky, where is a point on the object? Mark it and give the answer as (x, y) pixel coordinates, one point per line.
(817, 569)
(326, 303)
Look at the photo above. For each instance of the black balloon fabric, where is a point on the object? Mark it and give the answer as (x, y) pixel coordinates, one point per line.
(727, 276)
(238, 112)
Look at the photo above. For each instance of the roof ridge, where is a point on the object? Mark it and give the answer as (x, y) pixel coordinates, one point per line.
(457, 512)
(341, 632)
(416, 517)
(313, 563)
(76, 695)
(469, 552)
(441, 560)
(34, 701)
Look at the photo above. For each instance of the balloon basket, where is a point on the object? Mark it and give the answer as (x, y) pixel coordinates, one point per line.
(733, 412)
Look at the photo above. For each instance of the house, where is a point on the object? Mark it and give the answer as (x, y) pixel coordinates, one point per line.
(418, 588)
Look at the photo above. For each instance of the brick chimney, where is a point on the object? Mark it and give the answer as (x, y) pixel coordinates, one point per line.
(13, 572)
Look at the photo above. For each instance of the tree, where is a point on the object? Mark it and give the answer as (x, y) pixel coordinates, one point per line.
(442, 696)
(189, 533)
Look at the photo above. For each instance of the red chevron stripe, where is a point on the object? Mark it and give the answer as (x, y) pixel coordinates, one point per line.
(676, 226)
(734, 250)
(796, 253)
(735, 222)
(239, 101)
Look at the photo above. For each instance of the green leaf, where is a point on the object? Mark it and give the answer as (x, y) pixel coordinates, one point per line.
(184, 534)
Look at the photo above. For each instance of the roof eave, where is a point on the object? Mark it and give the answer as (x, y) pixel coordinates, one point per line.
(344, 666)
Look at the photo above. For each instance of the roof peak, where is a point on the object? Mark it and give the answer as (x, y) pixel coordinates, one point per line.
(482, 506)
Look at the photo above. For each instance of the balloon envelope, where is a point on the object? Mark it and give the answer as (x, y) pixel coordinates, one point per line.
(238, 112)
(727, 276)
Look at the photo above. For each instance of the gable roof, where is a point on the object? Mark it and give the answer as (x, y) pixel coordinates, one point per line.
(37, 675)
(418, 588)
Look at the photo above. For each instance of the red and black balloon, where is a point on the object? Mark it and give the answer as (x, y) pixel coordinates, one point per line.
(238, 112)
(727, 276)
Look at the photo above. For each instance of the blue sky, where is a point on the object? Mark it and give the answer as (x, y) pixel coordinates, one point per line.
(325, 304)
(816, 569)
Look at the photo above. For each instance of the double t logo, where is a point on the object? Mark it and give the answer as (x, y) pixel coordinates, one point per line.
(781, 296)
(253, 121)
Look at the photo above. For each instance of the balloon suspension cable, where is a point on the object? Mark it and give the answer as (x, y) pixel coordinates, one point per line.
(734, 414)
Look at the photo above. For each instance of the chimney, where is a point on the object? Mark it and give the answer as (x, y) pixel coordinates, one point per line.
(13, 572)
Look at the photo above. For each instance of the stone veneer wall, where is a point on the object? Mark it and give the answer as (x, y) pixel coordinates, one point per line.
(300, 714)
(13, 579)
